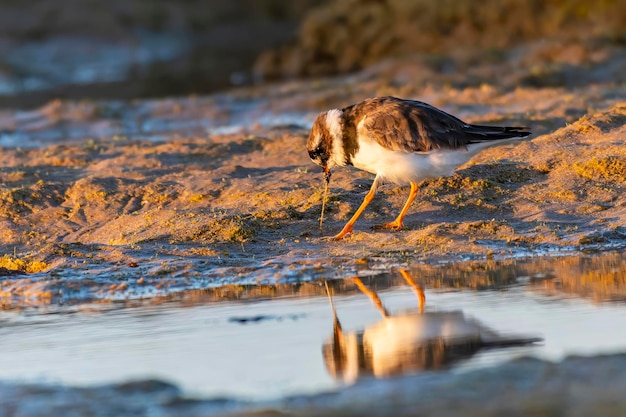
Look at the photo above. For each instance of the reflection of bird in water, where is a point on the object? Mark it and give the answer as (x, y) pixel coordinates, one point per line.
(409, 342)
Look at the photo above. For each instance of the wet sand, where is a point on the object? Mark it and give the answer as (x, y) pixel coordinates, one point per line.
(528, 386)
(163, 196)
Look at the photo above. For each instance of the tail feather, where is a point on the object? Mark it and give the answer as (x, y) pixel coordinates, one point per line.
(481, 133)
(510, 342)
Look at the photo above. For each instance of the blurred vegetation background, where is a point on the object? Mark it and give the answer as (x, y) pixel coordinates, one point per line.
(153, 48)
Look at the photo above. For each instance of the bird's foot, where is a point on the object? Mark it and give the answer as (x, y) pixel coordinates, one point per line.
(394, 225)
(345, 231)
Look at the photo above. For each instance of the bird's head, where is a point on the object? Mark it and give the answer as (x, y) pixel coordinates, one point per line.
(324, 144)
(319, 143)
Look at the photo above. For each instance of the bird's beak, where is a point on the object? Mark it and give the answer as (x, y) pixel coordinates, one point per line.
(327, 175)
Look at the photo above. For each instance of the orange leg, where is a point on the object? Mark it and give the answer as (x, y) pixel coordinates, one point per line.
(368, 199)
(418, 290)
(397, 223)
(372, 295)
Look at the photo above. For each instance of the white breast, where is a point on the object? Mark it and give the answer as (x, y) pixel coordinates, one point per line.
(402, 167)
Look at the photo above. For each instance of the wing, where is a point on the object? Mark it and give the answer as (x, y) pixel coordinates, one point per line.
(414, 126)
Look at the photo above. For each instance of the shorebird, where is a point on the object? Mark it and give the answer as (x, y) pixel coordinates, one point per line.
(400, 141)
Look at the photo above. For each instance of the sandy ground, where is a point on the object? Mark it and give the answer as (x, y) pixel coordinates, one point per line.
(109, 206)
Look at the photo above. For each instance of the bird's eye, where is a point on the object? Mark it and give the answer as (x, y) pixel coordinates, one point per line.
(316, 153)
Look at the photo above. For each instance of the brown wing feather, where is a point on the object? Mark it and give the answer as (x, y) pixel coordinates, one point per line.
(389, 119)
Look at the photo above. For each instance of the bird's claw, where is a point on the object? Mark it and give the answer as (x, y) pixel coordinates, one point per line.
(342, 234)
(389, 226)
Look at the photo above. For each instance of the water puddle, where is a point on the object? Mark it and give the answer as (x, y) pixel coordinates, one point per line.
(261, 343)
(64, 60)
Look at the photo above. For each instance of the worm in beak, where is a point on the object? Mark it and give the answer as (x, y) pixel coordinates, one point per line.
(327, 175)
